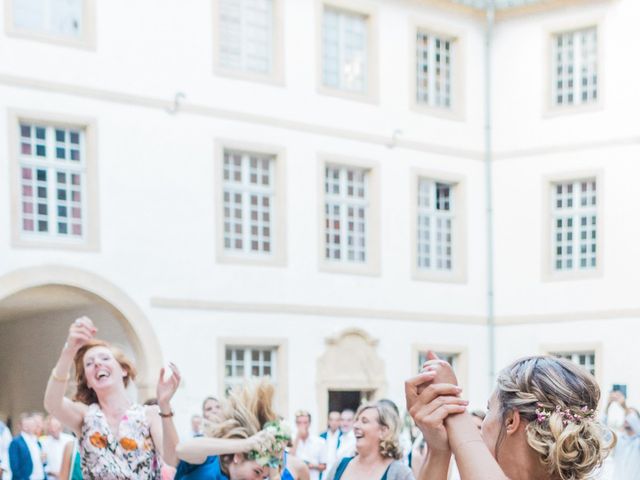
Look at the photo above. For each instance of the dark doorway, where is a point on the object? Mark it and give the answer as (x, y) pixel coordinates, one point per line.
(342, 399)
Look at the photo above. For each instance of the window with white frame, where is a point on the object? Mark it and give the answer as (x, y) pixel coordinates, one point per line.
(346, 213)
(344, 50)
(434, 59)
(248, 202)
(52, 170)
(586, 359)
(245, 35)
(244, 362)
(575, 67)
(53, 17)
(574, 217)
(449, 357)
(435, 225)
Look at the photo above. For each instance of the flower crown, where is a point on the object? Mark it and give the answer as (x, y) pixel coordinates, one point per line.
(271, 456)
(569, 415)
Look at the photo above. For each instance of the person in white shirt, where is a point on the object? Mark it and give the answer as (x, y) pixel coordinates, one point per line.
(5, 440)
(25, 455)
(348, 439)
(309, 448)
(53, 447)
(332, 438)
(196, 426)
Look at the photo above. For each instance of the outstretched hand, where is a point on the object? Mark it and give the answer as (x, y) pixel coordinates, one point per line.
(431, 397)
(81, 332)
(166, 388)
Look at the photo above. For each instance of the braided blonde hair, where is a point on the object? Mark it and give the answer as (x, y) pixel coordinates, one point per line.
(569, 450)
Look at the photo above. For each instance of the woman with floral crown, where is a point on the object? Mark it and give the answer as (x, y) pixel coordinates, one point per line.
(118, 439)
(540, 423)
(246, 443)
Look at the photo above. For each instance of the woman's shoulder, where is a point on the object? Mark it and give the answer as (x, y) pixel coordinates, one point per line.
(399, 471)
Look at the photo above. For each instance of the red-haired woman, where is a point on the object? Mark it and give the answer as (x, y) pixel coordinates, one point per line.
(118, 439)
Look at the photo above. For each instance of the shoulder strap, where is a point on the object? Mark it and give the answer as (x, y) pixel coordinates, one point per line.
(342, 467)
(384, 477)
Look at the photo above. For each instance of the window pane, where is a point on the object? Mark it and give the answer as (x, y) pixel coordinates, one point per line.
(344, 50)
(246, 35)
(248, 206)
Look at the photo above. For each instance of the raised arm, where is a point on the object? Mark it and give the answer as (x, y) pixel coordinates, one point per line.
(429, 404)
(474, 460)
(163, 429)
(70, 413)
(196, 450)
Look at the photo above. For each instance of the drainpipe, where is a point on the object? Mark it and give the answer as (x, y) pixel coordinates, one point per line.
(488, 154)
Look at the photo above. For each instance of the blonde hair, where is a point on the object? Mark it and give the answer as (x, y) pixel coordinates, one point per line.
(569, 450)
(387, 417)
(245, 411)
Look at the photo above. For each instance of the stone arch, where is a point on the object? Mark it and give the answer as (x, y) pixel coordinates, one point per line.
(72, 283)
(350, 362)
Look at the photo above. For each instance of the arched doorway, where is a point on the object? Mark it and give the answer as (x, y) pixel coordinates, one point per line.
(349, 372)
(37, 306)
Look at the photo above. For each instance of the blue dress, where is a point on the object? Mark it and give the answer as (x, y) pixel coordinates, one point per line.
(209, 470)
(343, 466)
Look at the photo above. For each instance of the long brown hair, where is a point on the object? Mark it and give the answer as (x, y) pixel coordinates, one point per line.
(85, 394)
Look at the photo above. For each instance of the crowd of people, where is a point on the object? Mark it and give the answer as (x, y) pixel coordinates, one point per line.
(541, 423)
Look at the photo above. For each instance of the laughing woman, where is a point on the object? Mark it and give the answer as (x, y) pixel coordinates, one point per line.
(118, 440)
(378, 452)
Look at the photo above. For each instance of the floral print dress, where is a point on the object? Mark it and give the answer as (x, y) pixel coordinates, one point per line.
(105, 457)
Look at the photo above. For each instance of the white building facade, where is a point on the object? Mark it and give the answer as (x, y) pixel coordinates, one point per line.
(296, 188)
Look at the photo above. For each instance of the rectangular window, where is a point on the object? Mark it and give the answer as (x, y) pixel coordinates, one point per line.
(575, 67)
(434, 60)
(242, 362)
(449, 357)
(435, 225)
(574, 217)
(586, 359)
(344, 50)
(248, 202)
(246, 35)
(346, 214)
(62, 18)
(52, 172)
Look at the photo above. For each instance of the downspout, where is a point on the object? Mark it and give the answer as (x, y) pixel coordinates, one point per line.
(488, 156)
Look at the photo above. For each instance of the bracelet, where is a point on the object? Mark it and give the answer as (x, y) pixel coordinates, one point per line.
(166, 415)
(60, 379)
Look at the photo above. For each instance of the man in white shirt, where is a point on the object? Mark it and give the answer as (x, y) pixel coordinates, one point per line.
(348, 439)
(332, 438)
(309, 448)
(53, 447)
(196, 426)
(25, 455)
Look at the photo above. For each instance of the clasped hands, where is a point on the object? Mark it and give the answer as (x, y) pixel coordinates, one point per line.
(431, 397)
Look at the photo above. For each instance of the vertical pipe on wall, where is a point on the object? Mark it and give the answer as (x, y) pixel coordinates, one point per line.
(488, 154)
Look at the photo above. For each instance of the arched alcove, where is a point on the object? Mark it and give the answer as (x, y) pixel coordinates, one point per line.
(37, 306)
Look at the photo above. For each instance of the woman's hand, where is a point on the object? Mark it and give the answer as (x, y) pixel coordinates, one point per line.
(167, 387)
(444, 372)
(429, 404)
(262, 441)
(81, 332)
